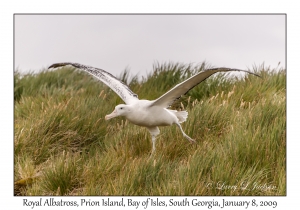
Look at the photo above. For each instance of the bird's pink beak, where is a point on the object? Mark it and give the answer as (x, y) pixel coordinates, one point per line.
(111, 115)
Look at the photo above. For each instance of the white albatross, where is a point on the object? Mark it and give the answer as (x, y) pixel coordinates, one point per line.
(149, 114)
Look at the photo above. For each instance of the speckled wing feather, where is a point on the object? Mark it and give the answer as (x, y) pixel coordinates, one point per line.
(175, 93)
(111, 81)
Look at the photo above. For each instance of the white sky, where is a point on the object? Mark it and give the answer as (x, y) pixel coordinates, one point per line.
(114, 42)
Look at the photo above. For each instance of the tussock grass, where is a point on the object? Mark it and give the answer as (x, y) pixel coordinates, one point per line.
(63, 145)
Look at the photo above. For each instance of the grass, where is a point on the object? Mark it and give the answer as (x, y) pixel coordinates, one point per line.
(63, 145)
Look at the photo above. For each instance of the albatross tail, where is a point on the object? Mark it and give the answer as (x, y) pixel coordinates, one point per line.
(181, 115)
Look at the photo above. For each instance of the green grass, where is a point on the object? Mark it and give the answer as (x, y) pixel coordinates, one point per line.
(63, 145)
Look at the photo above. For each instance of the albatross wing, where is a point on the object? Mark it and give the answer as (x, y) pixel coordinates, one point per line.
(175, 93)
(115, 84)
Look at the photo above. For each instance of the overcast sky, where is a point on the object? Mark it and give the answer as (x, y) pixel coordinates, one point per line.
(114, 42)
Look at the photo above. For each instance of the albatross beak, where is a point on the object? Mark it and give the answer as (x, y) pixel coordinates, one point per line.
(111, 115)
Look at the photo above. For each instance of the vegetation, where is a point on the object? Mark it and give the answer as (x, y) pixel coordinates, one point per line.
(63, 145)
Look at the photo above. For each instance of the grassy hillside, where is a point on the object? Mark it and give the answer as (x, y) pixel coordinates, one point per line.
(63, 145)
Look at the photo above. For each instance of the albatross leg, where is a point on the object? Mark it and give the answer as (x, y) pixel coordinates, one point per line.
(153, 144)
(154, 131)
(186, 136)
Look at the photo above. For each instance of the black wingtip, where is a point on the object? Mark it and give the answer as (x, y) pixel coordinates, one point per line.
(254, 74)
(249, 72)
(56, 65)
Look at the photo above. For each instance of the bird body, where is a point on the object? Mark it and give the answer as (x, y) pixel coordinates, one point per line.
(146, 115)
(149, 113)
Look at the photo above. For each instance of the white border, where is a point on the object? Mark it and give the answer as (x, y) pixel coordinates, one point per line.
(8, 8)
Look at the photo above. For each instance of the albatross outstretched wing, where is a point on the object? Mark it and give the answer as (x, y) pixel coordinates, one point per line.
(175, 93)
(115, 84)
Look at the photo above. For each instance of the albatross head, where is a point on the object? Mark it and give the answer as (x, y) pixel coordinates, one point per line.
(120, 110)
